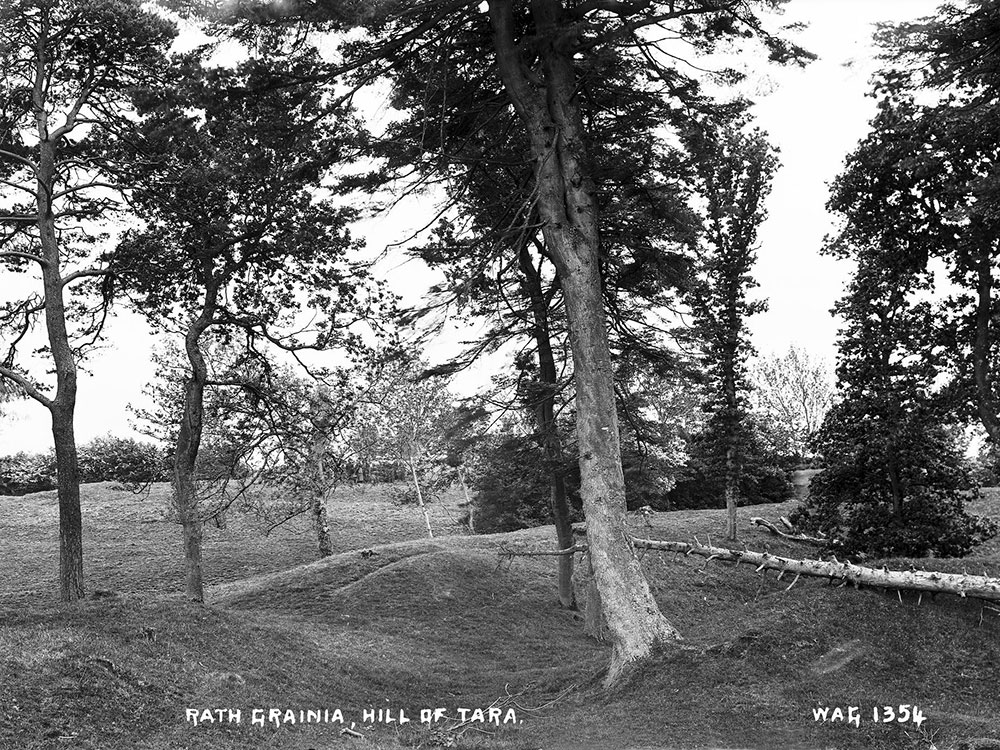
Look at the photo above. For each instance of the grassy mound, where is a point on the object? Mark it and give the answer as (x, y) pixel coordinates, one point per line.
(396, 621)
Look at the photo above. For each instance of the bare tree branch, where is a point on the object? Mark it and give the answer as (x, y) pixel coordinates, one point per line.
(17, 254)
(26, 385)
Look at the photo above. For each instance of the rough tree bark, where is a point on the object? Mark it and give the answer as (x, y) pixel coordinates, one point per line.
(63, 405)
(321, 521)
(546, 420)
(323, 421)
(322, 525)
(566, 204)
(189, 441)
(593, 614)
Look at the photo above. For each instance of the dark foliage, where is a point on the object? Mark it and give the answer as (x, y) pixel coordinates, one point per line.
(511, 484)
(764, 476)
(851, 500)
(511, 481)
(124, 460)
(23, 473)
(132, 463)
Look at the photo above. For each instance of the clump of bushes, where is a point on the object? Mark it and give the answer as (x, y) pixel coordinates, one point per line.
(764, 476)
(23, 473)
(511, 481)
(891, 493)
(511, 484)
(127, 461)
(935, 525)
(123, 460)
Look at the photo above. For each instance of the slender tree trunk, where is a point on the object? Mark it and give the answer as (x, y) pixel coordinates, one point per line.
(322, 524)
(732, 493)
(63, 406)
(732, 422)
(185, 490)
(189, 442)
(986, 401)
(71, 585)
(420, 498)
(548, 431)
(468, 500)
(569, 212)
(320, 519)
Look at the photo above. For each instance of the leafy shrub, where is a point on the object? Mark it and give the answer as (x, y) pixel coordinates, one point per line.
(23, 473)
(764, 477)
(852, 500)
(936, 525)
(511, 484)
(124, 460)
(511, 481)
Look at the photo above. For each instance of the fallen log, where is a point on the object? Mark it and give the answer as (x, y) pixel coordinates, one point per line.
(921, 581)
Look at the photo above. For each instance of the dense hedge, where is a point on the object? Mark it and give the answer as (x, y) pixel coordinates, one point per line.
(105, 459)
(125, 460)
(22, 473)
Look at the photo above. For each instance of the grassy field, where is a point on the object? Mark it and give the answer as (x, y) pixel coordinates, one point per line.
(398, 622)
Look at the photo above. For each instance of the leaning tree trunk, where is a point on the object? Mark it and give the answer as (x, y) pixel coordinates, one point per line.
(420, 497)
(548, 431)
(634, 621)
(63, 406)
(569, 212)
(189, 441)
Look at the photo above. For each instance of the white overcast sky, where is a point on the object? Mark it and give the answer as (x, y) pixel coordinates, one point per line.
(814, 115)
